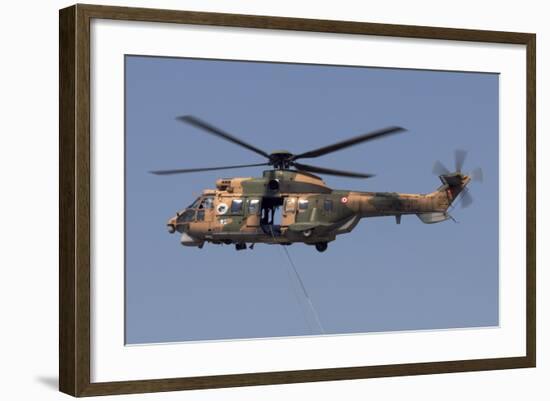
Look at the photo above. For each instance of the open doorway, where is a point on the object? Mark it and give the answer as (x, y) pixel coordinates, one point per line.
(270, 219)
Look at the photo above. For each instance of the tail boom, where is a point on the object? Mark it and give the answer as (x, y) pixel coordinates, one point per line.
(430, 208)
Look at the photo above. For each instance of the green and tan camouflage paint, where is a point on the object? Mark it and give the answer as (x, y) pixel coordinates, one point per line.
(312, 225)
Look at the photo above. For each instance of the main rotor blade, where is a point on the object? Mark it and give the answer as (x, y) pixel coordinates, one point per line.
(439, 168)
(194, 121)
(349, 142)
(195, 170)
(460, 156)
(329, 171)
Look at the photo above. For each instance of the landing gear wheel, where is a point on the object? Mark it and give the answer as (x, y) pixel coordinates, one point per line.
(240, 246)
(321, 246)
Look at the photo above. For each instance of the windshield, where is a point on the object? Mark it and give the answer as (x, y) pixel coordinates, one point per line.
(186, 216)
(195, 204)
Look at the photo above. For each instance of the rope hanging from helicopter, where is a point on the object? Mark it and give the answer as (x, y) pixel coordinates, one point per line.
(303, 288)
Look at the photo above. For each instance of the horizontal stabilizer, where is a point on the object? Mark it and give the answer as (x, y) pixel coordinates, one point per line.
(431, 218)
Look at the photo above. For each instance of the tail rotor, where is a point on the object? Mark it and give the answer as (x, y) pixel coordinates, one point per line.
(457, 177)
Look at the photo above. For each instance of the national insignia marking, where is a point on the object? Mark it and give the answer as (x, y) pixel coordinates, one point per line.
(222, 208)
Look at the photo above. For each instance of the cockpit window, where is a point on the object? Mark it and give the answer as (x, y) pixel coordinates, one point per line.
(236, 206)
(328, 205)
(303, 204)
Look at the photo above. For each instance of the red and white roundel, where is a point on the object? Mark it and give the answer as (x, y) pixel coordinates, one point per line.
(344, 199)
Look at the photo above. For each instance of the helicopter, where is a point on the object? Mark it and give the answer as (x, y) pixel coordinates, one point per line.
(290, 203)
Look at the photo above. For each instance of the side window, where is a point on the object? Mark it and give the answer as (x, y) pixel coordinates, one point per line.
(253, 206)
(236, 206)
(328, 205)
(200, 215)
(290, 205)
(303, 204)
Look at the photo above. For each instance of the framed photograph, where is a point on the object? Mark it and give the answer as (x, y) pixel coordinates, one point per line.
(250, 200)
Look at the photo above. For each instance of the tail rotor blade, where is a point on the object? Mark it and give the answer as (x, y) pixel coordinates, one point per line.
(439, 168)
(477, 175)
(466, 199)
(460, 157)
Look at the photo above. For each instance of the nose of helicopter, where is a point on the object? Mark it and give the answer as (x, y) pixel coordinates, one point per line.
(180, 222)
(171, 225)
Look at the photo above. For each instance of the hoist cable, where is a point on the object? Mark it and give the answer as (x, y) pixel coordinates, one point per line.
(303, 287)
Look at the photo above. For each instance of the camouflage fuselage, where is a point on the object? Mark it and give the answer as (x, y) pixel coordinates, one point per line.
(241, 210)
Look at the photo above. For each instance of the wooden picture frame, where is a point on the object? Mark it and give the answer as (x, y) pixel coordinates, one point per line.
(74, 200)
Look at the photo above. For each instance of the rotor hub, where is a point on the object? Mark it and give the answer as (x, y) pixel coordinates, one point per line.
(281, 159)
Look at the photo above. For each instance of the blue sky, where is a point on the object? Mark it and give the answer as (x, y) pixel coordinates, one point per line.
(381, 276)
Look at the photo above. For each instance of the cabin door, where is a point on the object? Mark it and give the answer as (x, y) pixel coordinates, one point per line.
(205, 214)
